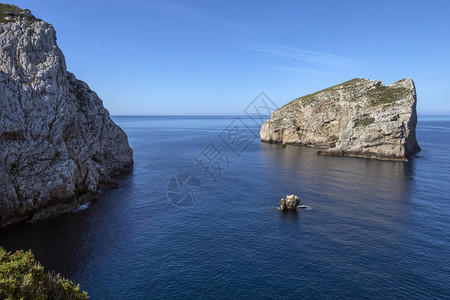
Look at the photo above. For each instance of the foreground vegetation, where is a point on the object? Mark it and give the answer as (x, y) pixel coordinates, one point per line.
(22, 277)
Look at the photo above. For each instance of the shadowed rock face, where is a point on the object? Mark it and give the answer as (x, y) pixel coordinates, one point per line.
(58, 145)
(360, 117)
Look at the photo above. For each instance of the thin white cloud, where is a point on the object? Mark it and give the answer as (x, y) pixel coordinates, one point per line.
(305, 55)
(303, 70)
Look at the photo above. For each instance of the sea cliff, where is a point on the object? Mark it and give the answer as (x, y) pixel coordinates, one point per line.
(58, 144)
(360, 117)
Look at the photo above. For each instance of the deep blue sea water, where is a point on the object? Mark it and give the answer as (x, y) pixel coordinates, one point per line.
(173, 230)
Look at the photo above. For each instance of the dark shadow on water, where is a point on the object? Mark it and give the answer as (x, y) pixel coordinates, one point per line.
(65, 243)
(290, 216)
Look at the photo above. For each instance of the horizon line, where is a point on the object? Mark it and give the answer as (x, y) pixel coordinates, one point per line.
(227, 115)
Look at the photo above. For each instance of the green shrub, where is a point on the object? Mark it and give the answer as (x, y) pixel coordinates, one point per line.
(7, 8)
(387, 95)
(11, 13)
(364, 122)
(22, 277)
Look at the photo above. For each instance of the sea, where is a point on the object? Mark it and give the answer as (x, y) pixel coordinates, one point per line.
(198, 218)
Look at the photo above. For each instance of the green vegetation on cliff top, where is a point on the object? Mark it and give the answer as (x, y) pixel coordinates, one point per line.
(4, 8)
(10, 13)
(308, 99)
(378, 96)
(22, 277)
(387, 95)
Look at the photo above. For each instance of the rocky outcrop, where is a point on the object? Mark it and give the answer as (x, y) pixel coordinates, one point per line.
(360, 117)
(289, 203)
(58, 145)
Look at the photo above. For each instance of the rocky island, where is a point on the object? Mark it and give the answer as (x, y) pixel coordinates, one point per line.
(360, 118)
(58, 144)
(289, 203)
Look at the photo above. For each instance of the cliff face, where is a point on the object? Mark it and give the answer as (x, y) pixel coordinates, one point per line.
(360, 117)
(58, 145)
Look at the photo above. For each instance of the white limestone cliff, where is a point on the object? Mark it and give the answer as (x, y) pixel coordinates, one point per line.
(360, 117)
(58, 145)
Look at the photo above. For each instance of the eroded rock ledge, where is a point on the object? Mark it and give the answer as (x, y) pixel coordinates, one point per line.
(58, 145)
(360, 117)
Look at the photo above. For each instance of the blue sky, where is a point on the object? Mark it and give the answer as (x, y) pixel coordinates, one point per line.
(214, 57)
